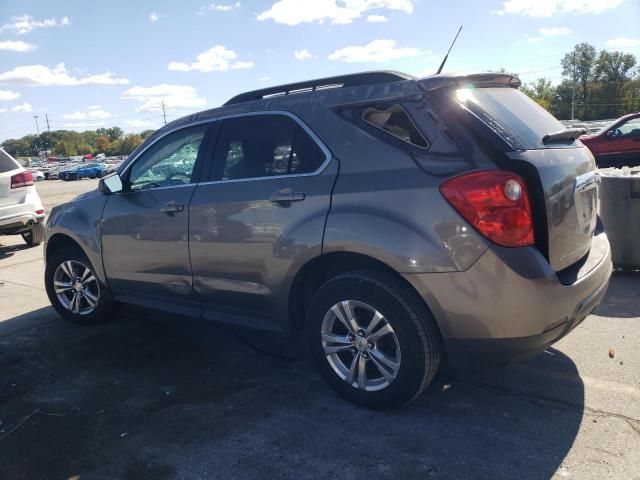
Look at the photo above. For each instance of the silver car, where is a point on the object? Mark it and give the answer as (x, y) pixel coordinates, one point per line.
(388, 221)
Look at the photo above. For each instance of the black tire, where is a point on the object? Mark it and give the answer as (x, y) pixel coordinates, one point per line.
(35, 236)
(105, 308)
(414, 328)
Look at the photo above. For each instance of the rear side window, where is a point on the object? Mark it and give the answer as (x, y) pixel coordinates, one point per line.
(265, 146)
(397, 122)
(6, 162)
(520, 121)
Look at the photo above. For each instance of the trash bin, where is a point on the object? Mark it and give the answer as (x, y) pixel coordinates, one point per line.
(619, 195)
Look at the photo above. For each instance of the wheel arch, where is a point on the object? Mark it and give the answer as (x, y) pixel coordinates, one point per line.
(313, 274)
(59, 240)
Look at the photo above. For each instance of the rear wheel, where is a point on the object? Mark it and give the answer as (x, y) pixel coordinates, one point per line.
(74, 289)
(373, 340)
(34, 236)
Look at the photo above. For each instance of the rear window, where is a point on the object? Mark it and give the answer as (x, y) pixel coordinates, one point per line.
(6, 162)
(397, 122)
(520, 121)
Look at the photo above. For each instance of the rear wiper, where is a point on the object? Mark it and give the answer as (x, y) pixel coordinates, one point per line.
(568, 134)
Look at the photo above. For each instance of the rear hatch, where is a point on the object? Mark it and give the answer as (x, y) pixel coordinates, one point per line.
(559, 170)
(8, 168)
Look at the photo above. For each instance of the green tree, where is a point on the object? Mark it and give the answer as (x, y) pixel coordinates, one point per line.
(578, 66)
(129, 143)
(542, 91)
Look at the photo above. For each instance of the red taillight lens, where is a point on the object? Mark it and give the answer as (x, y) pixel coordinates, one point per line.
(496, 203)
(24, 179)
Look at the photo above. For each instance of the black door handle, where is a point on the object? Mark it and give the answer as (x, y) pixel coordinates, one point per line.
(171, 207)
(286, 196)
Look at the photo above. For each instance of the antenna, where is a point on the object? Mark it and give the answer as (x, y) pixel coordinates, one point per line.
(444, 60)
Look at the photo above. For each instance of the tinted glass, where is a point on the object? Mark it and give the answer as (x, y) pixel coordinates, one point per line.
(264, 146)
(520, 121)
(168, 162)
(6, 162)
(396, 121)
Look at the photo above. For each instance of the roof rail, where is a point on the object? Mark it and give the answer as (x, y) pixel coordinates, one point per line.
(352, 80)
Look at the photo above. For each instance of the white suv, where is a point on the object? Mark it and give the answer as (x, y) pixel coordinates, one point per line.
(21, 210)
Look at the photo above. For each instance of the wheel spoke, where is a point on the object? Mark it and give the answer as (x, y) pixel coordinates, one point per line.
(344, 313)
(89, 279)
(75, 308)
(67, 268)
(375, 321)
(62, 287)
(91, 299)
(85, 274)
(353, 368)
(381, 332)
(362, 373)
(336, 343)
(387, 366)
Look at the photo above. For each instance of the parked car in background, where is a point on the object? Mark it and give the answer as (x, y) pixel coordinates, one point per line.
(391, 220)
(38, 175)
(83, 170)
(21, 210)
(617, 144)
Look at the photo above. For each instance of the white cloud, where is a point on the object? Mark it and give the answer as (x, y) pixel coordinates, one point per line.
(303, 54)
(84, 125)
(6, 95)
(155, 16)
(3, 110)
(377, 19)
(375, 51)
(94, 112)
(549, 32)
(40, 75)
(293, 12)
(24, 108)
(548, 8)
(623, 42)
(173, 96)
(216, 59)
(264, 79)
(26, 23)
(16, 46)
(218, 7)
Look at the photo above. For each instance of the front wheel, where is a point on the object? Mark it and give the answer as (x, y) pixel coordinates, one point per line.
(74, 289)
(374, 341)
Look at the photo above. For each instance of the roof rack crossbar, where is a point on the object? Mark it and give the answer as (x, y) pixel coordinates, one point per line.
(353, 80)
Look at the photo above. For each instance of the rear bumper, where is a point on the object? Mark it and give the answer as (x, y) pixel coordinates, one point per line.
(510, 304)
(16, 218)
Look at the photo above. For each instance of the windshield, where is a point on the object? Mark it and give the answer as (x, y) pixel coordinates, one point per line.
(520, 121)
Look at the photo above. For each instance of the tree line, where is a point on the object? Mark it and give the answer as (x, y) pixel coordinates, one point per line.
(64, 143)
(595, 85)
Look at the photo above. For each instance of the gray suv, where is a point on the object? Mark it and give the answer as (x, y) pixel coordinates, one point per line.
(390, 221)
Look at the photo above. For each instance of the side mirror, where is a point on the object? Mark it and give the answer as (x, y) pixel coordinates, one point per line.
(111, 184)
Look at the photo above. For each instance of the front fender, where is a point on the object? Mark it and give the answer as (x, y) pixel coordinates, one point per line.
(79, 221)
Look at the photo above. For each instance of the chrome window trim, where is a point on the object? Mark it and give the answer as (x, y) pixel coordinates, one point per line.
(295, 118)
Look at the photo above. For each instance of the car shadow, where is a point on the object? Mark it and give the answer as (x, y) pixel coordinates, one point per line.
(153, 395)
(620, 301)
(7, 251)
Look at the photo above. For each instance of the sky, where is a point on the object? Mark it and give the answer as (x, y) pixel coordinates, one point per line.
(85, 64)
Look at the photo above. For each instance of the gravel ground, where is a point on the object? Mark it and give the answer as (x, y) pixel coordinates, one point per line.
(155, 396)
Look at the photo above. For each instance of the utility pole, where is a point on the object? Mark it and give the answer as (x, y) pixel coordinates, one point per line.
(46, 116)
(164, 113)
(37, 127)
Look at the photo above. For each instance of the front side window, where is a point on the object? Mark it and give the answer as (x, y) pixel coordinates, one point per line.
(265, 146)
(169, 162)
(396, 121)
(630, 128)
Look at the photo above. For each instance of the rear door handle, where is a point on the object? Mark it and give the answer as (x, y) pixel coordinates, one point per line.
(286, 196)
(171, 207)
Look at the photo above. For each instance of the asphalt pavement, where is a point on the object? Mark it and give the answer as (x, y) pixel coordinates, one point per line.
(155, 396)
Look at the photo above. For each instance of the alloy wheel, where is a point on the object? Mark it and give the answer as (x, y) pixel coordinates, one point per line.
(76, 287)
(360, 345)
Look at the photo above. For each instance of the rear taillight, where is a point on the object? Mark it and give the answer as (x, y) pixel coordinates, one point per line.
(496, 203)
(19, 180)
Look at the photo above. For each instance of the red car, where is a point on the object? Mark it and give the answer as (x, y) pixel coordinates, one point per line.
(618, 144)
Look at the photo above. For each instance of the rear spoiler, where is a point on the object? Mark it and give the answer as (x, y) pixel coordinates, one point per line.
(435, 82)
